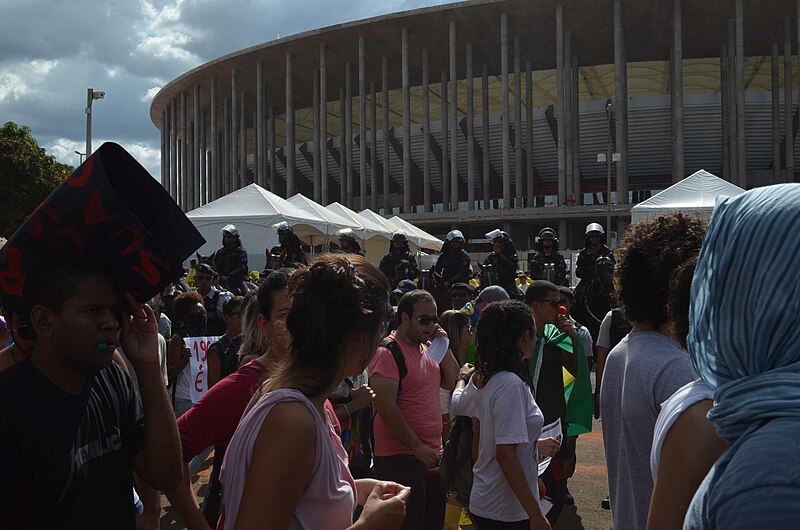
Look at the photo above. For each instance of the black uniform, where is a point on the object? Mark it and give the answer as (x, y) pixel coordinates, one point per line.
(587, 259)
(453, 265)
(540, 262)
(232, 262)
(291, 254)
(505, 265)
(391, 263)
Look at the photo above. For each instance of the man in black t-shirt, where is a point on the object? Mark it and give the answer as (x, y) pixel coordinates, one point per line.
(72, 426)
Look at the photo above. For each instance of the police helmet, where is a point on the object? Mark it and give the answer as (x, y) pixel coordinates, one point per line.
(594, 229)
(346, 234)
(230, 229)
(452, 235)
(497, 235)
(548, 233)
(283, 228)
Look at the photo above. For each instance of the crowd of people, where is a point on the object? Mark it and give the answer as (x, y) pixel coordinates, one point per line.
(339, 395)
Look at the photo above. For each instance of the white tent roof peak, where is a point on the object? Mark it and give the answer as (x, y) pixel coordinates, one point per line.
(335, 221)
(696, 193)
(384, 222)
(367, 227)
(417, 235)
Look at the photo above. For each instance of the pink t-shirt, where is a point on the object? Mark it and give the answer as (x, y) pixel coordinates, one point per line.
(418, 399)
(329, 499)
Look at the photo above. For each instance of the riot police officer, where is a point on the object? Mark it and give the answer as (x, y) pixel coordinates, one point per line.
(548, 263)
(595, 248)
(348, 243)
(504, 260)
(231, 261)
(399, 263)
(453, 263)
(290, 251)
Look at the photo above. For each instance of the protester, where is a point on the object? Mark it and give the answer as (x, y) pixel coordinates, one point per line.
(213, 419)
(213, 300)
(568, 301)
(336, 321)
(399, 262)
(408, 425)
(219, 351)
(504, 260)
(505, 489)
(231, 261)
(460, 295)
(684, 440)
(452, 266)
(493, 293)
(613, 329)
(648, 365)
(190, 321)
(743, 338)
(73, 427)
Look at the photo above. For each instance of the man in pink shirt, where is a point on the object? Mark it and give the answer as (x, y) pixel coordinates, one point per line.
(408, 423)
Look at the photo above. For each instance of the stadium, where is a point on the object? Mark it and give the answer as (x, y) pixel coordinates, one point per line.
(500, 113)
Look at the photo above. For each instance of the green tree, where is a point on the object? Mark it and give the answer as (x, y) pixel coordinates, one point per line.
(27, 175)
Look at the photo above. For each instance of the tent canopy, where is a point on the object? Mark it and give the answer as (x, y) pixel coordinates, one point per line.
(379, 219)
(416, 235)
(335, 221)
(367, 228)
(697, 193)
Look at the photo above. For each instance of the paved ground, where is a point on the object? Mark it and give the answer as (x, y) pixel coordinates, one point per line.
(588, 486)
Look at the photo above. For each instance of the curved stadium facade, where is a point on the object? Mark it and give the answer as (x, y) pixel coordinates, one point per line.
(493, 113)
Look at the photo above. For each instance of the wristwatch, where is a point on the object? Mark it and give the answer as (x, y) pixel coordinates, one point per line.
(462, 377)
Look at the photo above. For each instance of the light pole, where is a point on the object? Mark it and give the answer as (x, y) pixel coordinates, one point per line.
(608, 158)
(81, 155)
(91, 95)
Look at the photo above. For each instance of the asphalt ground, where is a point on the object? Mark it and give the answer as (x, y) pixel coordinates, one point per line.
(588, 486)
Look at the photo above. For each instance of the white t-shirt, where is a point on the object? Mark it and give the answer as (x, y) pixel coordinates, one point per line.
(604, 335)
(444, 401)
(508, 415)
(671, 409)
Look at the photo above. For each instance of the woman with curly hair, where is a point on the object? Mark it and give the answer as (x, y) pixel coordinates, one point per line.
(648, 365)
(285, 466)
(505, 490)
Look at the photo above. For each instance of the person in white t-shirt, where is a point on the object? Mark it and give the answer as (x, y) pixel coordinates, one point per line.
(505, 491)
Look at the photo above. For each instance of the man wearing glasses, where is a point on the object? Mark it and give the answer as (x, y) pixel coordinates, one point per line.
(408, 423)
(213, 300)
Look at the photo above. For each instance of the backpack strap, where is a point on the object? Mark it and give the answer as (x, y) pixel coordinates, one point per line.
(399, 359)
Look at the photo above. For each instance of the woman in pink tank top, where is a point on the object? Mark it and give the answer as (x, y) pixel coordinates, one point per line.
(285, 467)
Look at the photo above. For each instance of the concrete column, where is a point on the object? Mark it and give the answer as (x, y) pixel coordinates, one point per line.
(362, 121)
(290, 128)
(203, 161)
(173, 151)
(235, 183)
(621, 112)
(470, 131)
(518, 169)
(243, 178)
(787, 98)
(164, 176)
(776, 115)
(529, 196)
(387, 204)
(732, 104)
(348, 131)
(454, 195)
(197, 157)
(567, 113)
(426, 134)
(225, 160)
(487, 196)
(213, 170)
(184, 151)
(323, 125)
(445, 171)
(318, 149)
(373, 148)
(576, 133)
(272, 147)
(563, 231)
(723, 97)
(741, 150)
(560, 114)
(343, 163)
(505, 119)
(256, 160)
(259, 150)
(677, 89)
(190, 165)
(406, 125)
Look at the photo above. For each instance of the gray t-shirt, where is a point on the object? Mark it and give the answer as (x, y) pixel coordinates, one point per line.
(641, 372)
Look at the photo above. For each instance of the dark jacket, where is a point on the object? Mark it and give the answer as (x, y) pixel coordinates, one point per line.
(584, 269)
(392, 260)
(232, 262)
(539, 263)
(291, 254)
(505, 264)
(453, 266)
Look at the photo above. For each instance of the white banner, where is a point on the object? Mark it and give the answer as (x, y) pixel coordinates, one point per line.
(198, 346)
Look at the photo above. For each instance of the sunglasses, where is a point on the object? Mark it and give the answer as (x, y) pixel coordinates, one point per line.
(555, 302)
(426, 320)
(203, 278)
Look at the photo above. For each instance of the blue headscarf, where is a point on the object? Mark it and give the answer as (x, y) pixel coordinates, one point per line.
(744, 333)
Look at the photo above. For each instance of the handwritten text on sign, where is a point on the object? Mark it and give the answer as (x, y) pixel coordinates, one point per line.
(198, 346)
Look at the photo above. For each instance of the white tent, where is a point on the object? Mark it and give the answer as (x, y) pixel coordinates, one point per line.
(335, 221)
(253, 210)
(419, 237)
(381, 220)
(375, 237)
(697, 193)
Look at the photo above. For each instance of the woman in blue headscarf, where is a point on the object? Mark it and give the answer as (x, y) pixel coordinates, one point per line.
(744, 339)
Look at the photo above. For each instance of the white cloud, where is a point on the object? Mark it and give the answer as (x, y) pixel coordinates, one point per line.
(151, 93)
(22, 79)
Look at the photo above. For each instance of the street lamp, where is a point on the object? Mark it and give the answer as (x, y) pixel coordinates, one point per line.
(91, 95)
(81, 155)
(608, 158)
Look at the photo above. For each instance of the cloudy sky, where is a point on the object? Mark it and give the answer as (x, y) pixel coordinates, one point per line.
(51, 51)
